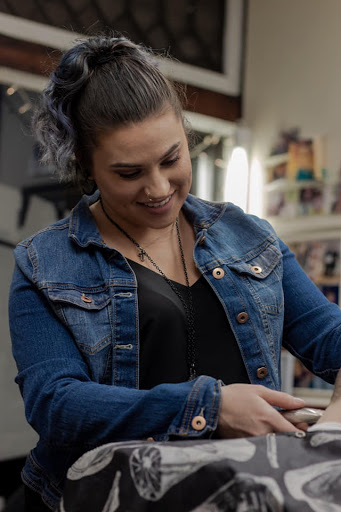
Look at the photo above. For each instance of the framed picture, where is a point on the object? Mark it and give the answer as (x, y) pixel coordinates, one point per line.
(220, 21)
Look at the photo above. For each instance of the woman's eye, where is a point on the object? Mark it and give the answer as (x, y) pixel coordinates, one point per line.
(129, 175)
(171, 161)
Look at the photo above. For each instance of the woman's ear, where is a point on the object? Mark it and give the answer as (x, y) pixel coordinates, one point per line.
(89, 186)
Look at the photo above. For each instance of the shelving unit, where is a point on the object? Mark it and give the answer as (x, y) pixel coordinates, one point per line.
(304, 221)
(305, 228)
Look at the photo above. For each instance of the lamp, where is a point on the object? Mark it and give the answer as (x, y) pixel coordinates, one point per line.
(237, 178)
(256, 184)
(204, 177)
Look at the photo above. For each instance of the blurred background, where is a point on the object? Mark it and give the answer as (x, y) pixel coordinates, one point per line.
(263, 83)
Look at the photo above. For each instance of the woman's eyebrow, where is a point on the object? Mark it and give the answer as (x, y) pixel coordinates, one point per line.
(131, 165)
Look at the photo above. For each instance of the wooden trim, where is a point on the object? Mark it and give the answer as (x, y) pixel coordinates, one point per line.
(40, 60)
(227, 82)
(29, 57)
(213, 104)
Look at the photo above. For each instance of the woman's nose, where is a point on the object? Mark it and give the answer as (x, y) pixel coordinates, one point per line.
(157, 186)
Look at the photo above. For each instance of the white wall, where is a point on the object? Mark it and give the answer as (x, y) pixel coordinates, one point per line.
(293, 72)
(16, 437)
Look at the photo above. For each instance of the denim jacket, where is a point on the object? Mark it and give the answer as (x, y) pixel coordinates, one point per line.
(75, 333)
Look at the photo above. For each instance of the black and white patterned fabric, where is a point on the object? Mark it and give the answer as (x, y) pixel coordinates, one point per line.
(277, 473)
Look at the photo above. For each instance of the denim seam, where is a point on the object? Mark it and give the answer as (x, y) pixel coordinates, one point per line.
(257, 298)
(34, 262)
(108, 363)
(264, 320)
(213, 403)
(319, 373)
(268, 243)
(91, 307)
(28, 241)
(137, 344)
(274, 310)
(214, 218)
(114, 331)
(93, 350)
(216, 262)
(191, 404)
(41, 471)
(228, 316)
(66, 286)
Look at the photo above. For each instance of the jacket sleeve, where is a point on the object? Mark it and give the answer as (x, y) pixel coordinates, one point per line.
(312, 324)
(67, 409)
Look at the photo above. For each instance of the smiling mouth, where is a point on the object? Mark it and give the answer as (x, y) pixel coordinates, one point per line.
(158, 205)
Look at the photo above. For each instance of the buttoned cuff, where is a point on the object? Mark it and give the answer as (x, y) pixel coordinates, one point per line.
(199, 416)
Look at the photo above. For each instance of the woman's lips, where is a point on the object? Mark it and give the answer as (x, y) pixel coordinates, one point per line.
(158, 205)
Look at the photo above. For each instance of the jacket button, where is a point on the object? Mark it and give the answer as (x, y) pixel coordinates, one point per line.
(262, 372)
(218, 273)
(202, 240)
(86, 299)
(256, 269)
(198, 423)
(242, 317)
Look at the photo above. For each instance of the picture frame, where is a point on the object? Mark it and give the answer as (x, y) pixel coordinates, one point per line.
(227, 82)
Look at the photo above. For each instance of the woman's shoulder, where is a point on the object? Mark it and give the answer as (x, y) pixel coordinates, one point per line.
(47, 244)
(207, 214)
(50, 232)
(60, 239)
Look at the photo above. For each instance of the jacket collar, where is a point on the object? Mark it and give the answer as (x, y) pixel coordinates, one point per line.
(83, 230)
(82, 227)
(202, 214)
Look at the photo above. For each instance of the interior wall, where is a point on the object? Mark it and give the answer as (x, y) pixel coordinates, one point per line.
(17, 438)
(293, 73)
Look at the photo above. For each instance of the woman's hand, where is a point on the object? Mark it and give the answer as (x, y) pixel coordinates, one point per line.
(247, 410)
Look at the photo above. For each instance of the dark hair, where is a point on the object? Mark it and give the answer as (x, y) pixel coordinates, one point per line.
(100, 83)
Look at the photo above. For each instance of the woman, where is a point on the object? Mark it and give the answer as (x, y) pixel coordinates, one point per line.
(148, 313)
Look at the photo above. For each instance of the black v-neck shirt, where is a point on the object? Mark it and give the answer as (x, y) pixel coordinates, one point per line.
(163, 333)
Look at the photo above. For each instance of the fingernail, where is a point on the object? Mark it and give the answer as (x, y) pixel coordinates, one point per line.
(299, 400)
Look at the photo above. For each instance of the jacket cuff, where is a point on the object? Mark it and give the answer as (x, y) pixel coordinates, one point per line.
(199, 416)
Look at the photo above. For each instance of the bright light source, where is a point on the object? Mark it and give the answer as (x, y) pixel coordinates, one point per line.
(237, 178)
(10, 90)
(24, 108)
(256, 186)
(204, 177)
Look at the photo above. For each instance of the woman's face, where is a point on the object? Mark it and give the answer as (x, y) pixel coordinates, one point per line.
(146, 158)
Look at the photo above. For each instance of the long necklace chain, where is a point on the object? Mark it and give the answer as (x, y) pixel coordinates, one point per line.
(188, 306)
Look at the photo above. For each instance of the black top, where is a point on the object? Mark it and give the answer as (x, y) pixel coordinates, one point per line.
(163, 333)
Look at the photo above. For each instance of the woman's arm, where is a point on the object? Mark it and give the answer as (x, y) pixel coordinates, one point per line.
(312, 325)
(67, 409)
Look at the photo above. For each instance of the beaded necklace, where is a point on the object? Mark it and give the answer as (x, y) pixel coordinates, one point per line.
(187, 305)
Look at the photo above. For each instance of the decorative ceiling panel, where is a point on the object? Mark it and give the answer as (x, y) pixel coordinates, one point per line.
(192, 31)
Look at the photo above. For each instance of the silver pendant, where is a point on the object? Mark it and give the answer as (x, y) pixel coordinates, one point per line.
(141, 254)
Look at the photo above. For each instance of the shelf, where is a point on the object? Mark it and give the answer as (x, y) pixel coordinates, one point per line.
(283, 184)
(307, 227)
(274, 160)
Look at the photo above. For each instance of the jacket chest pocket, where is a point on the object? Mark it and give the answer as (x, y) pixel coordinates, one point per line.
(86, 313)
(263, 276)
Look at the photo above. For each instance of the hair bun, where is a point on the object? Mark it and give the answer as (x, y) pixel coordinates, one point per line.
(101, 52)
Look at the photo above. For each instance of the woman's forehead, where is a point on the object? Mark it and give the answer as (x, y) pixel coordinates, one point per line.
(160, 130)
